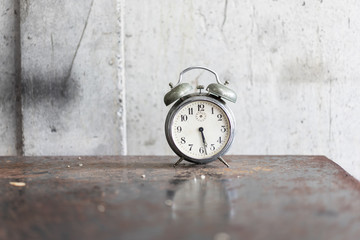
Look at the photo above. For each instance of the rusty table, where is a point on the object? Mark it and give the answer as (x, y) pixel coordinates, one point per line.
(259, 197)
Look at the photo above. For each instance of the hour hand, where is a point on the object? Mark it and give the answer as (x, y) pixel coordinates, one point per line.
(201, 129)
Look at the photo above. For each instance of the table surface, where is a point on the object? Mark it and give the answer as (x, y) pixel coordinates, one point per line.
(138, 197)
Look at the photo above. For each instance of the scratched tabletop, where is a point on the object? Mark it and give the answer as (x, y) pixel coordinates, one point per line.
(258, 197)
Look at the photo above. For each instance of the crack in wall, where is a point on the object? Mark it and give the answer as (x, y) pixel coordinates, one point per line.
(223, 24)
(19, 129)
(224, 14)
(80, 40)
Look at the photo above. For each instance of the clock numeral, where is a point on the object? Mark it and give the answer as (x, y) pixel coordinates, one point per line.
(212, 110)
(184, 118)
(212, 147)
(183, 141)
(202, 150)
(179, 129)
(219, 116)
(191, 111)
(190, 146)
(219, 140)
(201, 107)
(223, 129)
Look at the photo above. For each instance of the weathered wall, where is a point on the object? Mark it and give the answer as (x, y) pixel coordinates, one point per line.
(72, 85)
(9, 33)
(294, 65)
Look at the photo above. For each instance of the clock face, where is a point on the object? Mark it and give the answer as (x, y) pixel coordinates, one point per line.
(200, 129)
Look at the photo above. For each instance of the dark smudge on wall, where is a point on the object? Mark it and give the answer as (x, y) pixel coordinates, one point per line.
(40, 90)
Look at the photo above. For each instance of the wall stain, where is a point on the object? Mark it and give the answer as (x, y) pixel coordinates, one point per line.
(150, 142)
(7, 95)
(303, 70)
(42, 90)
(53, 129)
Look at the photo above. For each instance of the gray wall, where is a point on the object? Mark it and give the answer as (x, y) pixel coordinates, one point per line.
(93, 74)
(9, 77)
(70, 68)
(70, 74)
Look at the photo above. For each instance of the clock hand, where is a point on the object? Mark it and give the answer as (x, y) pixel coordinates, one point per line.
(201, 129)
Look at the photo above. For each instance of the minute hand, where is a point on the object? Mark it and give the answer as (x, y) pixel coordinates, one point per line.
(203, 138)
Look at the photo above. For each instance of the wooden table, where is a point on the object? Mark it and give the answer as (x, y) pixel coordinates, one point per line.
(259, 197)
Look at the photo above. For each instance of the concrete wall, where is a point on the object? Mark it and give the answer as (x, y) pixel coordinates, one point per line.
(294, 65)
(72, 88)
(9, 37)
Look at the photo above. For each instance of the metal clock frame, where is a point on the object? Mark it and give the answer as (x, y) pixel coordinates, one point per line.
(199, 97)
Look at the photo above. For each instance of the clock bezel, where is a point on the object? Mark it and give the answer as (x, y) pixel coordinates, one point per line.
(192, 98)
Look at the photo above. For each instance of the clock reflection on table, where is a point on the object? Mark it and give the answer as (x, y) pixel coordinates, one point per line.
(200, 198)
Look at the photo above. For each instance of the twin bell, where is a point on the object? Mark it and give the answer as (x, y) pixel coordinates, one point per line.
(218, 89)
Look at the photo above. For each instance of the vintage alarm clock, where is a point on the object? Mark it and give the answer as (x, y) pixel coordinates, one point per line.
(200, 127)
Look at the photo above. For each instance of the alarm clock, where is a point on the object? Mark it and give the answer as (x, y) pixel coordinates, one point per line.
(199, 126)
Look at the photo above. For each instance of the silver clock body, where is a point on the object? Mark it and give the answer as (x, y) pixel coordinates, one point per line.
(217, 103)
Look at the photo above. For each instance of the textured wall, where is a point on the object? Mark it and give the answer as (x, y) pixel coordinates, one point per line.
(294, 65)
(8, 65)
(71, 75)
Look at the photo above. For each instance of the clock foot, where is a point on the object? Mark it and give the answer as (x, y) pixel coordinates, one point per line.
(178, 162)
(224, 162)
